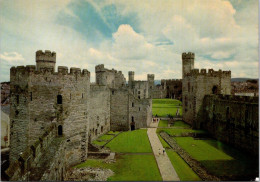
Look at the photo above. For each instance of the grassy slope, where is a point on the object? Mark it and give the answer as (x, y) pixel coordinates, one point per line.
(163, 107)
(183, 170)
(218, 158)
(129, 168)
(131, 141)
(163, 123)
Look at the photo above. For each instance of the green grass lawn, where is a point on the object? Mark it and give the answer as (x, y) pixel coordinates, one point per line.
(129, 168)
(220, 159)
(181, 124)
(164, 144)
(113, 132)
(131, 141)
(178, 131)
(163, 123)
(183, 170)
(102, 140)
(163, 107)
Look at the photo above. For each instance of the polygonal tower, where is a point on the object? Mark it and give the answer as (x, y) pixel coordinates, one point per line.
(131, 78)
(45, 59)
(150, 79)
(187, 63)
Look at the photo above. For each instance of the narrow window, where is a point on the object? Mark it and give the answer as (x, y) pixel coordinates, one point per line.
(101, 129)
(59, 99)
(138, 97)
(133, 104)
(17, 99)
(60, 130)
(82, 96)
(227, 113)
(31, 95)
(246, 115)
(188, 86)
(132, 118)
(139, 109)
(113, 92)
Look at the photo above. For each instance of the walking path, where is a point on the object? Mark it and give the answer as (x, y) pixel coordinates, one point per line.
(167, 171)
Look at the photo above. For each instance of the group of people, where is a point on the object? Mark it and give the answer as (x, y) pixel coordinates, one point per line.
(163, 151)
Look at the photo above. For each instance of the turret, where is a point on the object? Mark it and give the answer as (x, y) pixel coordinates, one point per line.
(150, 79)
(187, 63)
(45, 59)
(131, 78)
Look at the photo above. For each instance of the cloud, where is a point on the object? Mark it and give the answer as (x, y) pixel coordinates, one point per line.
(142, 36)
(12, 56)
(130, 45)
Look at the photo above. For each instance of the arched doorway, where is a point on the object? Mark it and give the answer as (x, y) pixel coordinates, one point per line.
(60, 130)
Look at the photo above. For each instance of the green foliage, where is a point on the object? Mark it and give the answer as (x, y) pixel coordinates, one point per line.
(131, 141)
(165, 107)
(163, 123)
(183, 170)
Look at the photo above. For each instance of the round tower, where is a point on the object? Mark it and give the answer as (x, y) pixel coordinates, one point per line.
(45, 59)
(187, 63)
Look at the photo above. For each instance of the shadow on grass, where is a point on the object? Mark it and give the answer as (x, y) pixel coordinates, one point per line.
(235, 170)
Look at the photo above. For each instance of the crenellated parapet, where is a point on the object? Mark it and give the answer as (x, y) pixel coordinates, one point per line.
(46, 56)
(31, 70)
(234, 98)
(209, 73)
(188, 55)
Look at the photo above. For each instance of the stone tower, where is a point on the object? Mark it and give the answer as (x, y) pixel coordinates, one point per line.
(187, 63)
(150, 79)
(131, 78)
(45, 59)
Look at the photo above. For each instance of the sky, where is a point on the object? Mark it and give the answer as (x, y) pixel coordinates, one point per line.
(144, 36)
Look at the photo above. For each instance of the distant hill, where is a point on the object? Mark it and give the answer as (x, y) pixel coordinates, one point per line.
(242, 79)
(156, 82)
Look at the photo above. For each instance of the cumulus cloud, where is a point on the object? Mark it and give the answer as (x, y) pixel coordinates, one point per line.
(11, 56)
(223, 35)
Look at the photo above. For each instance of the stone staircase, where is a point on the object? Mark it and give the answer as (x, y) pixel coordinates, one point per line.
(45, 161)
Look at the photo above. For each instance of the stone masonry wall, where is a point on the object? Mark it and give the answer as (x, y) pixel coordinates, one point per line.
(232, 119)
(38, 98)
(119, 116)
(99, 111)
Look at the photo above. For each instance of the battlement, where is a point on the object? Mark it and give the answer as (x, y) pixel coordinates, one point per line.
(209, 73)
(131, 72)
(188, 55)
(234, 98)
(61, 70)
(46, 56)
(171, 80)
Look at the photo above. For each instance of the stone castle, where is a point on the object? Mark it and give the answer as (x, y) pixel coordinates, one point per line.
(207, 104)
(55, 115)
(64, 108)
